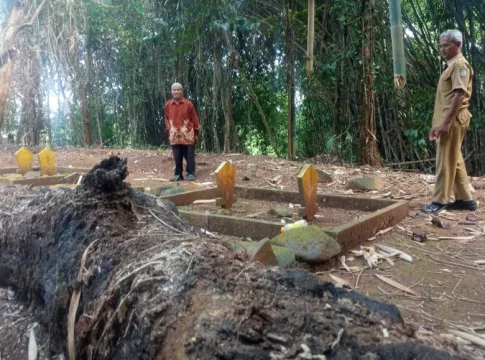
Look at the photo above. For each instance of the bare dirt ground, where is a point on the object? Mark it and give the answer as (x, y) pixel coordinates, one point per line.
(449, 284)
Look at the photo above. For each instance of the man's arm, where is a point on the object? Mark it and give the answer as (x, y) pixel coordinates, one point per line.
(444, 128)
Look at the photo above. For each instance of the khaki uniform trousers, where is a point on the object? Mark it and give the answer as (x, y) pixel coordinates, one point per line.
(451, 172)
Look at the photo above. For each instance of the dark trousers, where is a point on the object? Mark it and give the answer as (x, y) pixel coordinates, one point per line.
(179, 153)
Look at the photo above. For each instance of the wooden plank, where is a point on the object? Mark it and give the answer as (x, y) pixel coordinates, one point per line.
(348, 202)
(70, 170)
(359, 230)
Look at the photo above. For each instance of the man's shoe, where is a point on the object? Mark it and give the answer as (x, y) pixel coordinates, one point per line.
(434, 208)
(191, 177)
(468, 205)
(177, 178)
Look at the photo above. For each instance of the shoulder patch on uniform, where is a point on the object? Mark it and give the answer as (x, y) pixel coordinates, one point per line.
(463, 72)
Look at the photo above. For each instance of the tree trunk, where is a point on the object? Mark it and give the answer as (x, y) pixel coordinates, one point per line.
(290, 76)
(226, 97)
(310, 37)
(108, 286)
(369, 152)
(216, 83)
(6, 71)
(14, 27)
(88, 133)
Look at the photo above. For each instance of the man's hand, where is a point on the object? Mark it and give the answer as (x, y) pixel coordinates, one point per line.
(439, 131)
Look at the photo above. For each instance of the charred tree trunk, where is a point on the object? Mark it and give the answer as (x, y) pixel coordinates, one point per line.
(115, 274)
(369, 152)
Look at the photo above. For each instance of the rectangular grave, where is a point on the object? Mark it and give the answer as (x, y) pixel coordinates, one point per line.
(373, 214)
(11, 176)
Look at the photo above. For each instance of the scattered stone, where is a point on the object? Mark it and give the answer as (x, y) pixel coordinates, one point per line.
(479, 185)
(310, 244)
(281, 211)
(366, 183)
(32, 174)
(324, 177)
(251, 171)
(226, 212)
(284, 256)
(263, 253)
(202, 163)
(173, 191)
(157, 191)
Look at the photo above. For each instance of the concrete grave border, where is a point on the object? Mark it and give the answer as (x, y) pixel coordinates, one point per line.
(382, 214)
(40, 181)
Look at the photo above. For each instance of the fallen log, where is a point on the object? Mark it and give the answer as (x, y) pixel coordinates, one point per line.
(116, 274)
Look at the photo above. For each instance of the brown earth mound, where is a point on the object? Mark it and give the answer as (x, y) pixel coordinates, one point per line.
(111, 273)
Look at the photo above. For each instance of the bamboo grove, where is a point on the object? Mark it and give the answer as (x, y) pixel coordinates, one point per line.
(98, 72)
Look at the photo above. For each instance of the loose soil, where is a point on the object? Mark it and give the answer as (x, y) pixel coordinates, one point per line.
(443, 272)
(260, 210)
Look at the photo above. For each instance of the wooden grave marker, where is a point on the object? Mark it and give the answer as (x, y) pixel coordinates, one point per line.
(307, 187)
(24, 158)
(226, 182)
(47, 161)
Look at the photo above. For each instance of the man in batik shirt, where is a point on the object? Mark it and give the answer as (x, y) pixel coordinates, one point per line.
(182, 127)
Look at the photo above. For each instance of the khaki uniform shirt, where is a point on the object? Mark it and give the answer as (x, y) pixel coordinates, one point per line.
(458, 74)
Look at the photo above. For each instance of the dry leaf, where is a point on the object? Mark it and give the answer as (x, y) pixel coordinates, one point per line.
(340, 281)
(447, 270)
(342, 260)
(382, 232)
(456, 238)
(479, 262)
(430, 179)
(390, 250)
(397, 285)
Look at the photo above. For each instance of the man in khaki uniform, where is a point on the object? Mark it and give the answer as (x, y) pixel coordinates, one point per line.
(450, 121)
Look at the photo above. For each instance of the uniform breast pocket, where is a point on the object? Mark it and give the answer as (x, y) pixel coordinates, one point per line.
(445, 82)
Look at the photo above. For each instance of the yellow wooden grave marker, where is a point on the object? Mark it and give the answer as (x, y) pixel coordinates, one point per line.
(226, 182)
(307, 187)
(47, 161)
(24, 158)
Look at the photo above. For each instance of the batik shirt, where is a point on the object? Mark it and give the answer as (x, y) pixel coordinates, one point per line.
(181, 122)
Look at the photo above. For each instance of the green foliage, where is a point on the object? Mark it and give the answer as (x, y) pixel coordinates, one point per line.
(129, 53)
